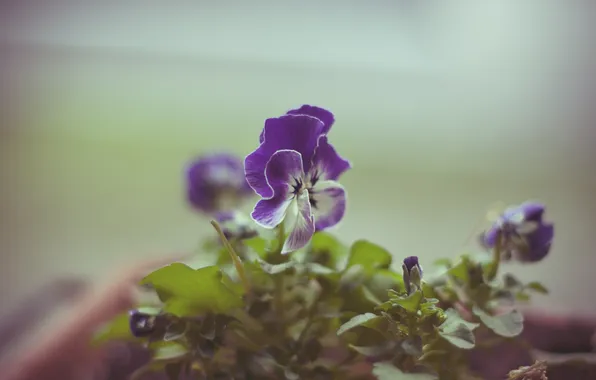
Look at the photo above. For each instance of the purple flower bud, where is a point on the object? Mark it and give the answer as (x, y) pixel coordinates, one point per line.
(524, 235)
(412, 273)
(411, 262)
(141, 324)
(216, 182)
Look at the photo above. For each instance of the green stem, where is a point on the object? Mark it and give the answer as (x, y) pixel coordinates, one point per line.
(494, 267)
(277, 257)
(312, 311)
(278, 297)
(235, 258)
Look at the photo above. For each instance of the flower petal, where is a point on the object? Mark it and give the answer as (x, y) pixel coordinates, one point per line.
(328, 199)
(293, 132)
(320, 113)
(539, 243)
(489, 238)
(301, 226)
(532, 211)
(283, 170)
(271, 212)
(326, 163)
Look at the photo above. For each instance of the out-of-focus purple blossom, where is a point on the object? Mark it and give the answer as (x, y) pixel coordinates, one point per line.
(236, 225)
(295, 171)
(524, 235)
(216, 183)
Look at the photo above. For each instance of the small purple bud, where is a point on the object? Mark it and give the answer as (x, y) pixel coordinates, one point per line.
(412, 273)
(141, 324)
(411, 262)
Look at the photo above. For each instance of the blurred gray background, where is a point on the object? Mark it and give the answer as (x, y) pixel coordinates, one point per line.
(444, 108)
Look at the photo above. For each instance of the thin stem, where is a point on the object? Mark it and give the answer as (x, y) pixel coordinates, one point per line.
(277, 257)
(494, 267)
(235, 258)
(278, 297)
(312, 310)
(281, 235)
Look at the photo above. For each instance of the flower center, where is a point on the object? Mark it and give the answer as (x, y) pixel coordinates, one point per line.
(301, 184)
(298, 186)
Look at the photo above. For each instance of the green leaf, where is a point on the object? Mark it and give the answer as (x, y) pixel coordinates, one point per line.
(223, 258)
(117, 329)
(429, 307)
(481, 293)
(169, 351)
(537, 287)
(369, 320)
(318, 269)
(510, 281)
(150, 310)
(411, 303)
(452, 317)
(503, 296)
(373, 350)
(352, 277)
(522, 297)
(327, 250)
(257, 276)
(370, 256)
(257, 245)
(458, 331)
(508, 325)
(428, 290)
(187, 292)
(383, 280)
(387, 371)
(370, 296)
(234, 287)
(461, 270)
(460, 336)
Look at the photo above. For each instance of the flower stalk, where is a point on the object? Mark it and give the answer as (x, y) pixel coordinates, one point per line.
(234, 256)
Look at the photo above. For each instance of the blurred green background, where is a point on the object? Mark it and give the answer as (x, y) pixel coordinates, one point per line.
(444, 109)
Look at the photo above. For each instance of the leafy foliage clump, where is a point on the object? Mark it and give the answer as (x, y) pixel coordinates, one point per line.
(322, 313)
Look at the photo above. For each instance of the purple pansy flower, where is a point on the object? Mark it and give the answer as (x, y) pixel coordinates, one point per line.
(295, 170)
(524, 234)
(216, 182)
